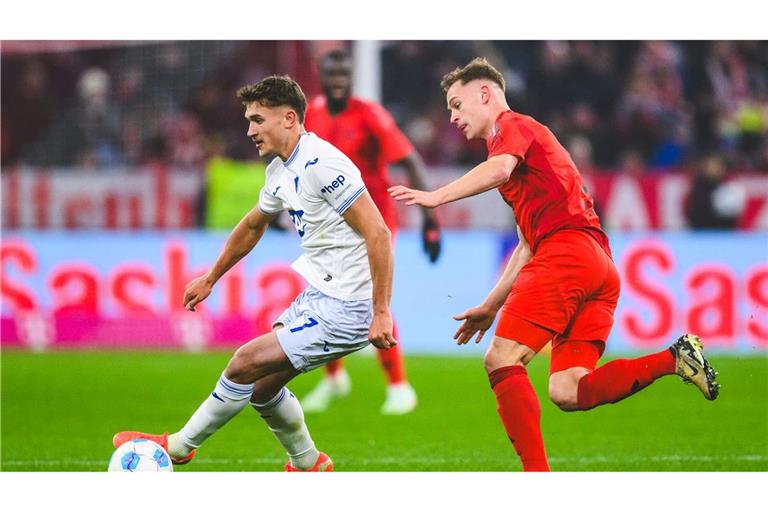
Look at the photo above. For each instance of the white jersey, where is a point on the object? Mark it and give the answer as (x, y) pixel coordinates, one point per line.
(317, 184)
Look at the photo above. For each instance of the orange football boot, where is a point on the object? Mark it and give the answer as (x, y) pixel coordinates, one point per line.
(324, 463)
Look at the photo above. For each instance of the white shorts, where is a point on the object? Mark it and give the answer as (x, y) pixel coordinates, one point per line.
(319, 328)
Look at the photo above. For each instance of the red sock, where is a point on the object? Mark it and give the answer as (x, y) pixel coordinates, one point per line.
(621, 378)
(520, 413)
(392, 361)
(333, 367)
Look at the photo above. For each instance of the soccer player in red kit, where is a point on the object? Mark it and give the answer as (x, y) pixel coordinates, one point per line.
(368, 135)
(560, 283)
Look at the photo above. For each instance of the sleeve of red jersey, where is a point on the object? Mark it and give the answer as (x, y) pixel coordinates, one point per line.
(512, 138)
(393, 142)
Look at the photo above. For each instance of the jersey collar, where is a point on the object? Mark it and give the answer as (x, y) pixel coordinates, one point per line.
(295, 150)
(495, 129)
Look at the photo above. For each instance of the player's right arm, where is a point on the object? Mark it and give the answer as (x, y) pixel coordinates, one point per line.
(488, 175)
(479, 319)
(240, 242)
(365, 218)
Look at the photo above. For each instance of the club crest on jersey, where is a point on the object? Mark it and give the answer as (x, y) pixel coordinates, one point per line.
(338, 182)
(298, 222)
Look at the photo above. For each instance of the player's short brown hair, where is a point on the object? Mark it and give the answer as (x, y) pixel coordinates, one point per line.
(478, 68)
(275, 91)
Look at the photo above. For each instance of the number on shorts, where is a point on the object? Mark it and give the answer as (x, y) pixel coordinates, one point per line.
(312, 322)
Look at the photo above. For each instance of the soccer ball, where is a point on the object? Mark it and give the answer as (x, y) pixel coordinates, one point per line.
(140, 455)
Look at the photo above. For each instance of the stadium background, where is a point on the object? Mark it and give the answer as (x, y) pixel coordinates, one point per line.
(125, 163)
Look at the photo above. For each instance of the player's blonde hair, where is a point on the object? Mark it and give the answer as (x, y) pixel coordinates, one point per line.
(274, 91)
(478, 68)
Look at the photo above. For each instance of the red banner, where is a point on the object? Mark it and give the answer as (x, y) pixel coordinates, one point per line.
(160, 199)
(629, 203)
(149, 199)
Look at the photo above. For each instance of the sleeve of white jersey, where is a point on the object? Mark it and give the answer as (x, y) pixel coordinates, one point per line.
(268, 203)
(336, 180)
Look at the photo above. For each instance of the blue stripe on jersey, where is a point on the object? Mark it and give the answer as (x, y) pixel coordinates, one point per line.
(346, 204)
(295, 151)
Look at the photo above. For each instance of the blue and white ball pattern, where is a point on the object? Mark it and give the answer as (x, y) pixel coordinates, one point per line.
(140, 455)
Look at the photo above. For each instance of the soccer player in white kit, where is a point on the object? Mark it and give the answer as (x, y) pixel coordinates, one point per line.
(347, 262)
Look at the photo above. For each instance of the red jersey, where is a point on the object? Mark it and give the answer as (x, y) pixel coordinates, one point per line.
(545, 190)
(369, 136)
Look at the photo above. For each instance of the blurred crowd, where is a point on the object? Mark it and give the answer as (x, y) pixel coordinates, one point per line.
(170, 104)
(632, 106)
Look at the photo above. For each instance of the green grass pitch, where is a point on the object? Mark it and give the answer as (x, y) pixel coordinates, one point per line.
(59, 411)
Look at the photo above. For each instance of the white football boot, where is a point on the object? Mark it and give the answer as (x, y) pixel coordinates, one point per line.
(327, 390)
(401, 399)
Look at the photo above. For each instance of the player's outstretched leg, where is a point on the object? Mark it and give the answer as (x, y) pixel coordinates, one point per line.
(284, 417)
(227, 399)
(224, 403)
(251, 362)
(401, 397)
(334, 384)
(618, 379)
(518, 405)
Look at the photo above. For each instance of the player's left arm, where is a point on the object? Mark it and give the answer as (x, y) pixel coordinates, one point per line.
(488, 175)
(479, 319)
(417, 177)
(519, 258)
(365, 218)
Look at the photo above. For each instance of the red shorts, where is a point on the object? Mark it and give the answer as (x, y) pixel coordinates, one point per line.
(567, 292)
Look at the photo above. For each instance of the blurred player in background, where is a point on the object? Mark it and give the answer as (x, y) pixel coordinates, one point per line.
(368, 135)
(560, 283)
(347, 261)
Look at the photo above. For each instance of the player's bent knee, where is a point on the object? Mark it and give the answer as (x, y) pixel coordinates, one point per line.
(564, 388)
(257, 358)
(241, 367)
(491, 362)
(503, 352)
(565, 399)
